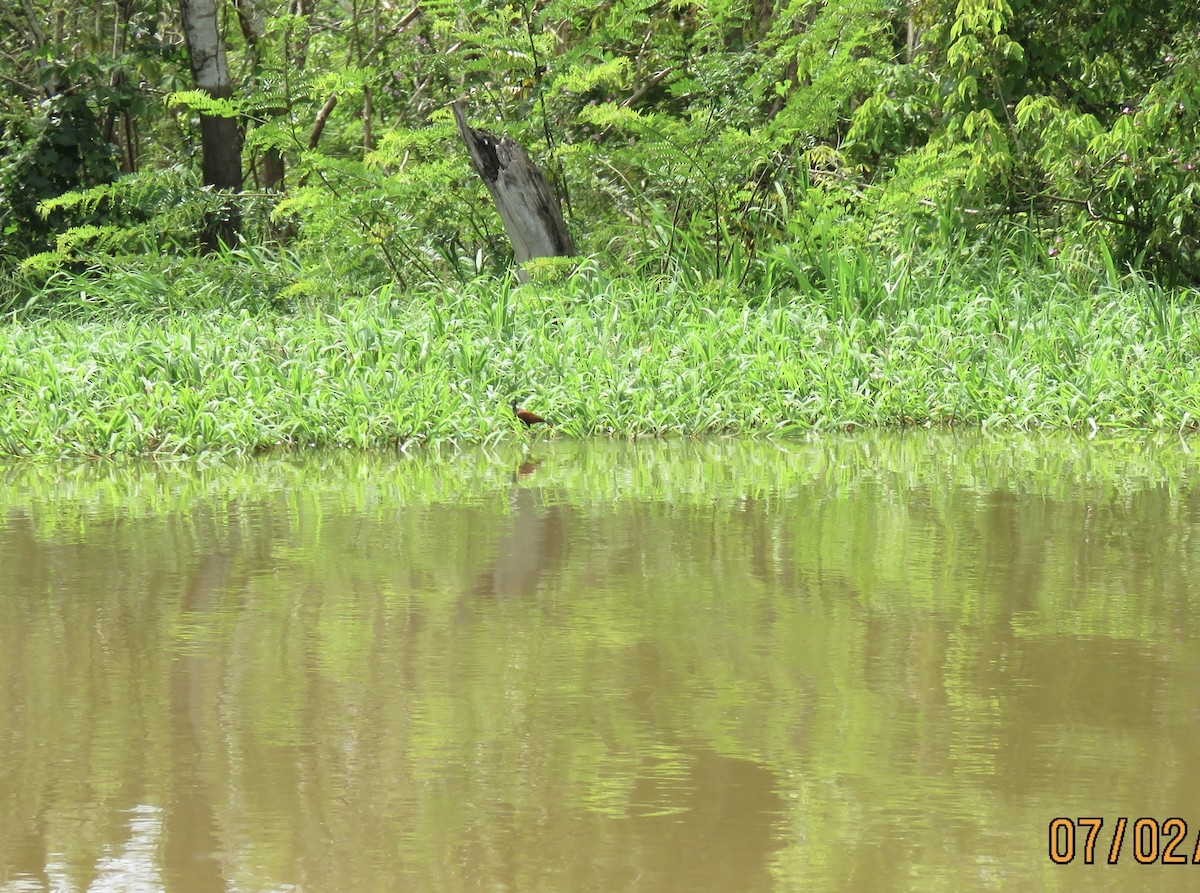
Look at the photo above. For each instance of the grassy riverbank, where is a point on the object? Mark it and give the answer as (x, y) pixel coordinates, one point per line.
(993, 345)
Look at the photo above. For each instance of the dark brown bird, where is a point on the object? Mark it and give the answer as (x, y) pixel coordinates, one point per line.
(528, 418)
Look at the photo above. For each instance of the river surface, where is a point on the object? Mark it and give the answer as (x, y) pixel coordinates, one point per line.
(859, 663)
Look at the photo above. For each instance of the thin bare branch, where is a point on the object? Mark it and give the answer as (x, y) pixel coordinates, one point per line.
(314, 135)
(35, 27)
(645, 88)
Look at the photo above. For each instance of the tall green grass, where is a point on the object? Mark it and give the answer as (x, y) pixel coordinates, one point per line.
(868, 341)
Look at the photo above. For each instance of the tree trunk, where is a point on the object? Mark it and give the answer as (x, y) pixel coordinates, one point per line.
(250, 17)
(220, 140)
(527, 205)
(912, 37)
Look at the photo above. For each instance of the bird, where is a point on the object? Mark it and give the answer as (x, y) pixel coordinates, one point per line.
(529, 419)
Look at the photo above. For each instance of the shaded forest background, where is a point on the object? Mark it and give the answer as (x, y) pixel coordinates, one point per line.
(745, 142)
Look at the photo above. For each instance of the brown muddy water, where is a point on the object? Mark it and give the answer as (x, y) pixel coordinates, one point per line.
(857, 663)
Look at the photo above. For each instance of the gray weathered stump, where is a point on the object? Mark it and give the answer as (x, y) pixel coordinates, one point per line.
(527, 205)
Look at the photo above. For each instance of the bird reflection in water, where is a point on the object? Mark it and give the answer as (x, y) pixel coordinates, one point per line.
(531, 544)
(528, 466)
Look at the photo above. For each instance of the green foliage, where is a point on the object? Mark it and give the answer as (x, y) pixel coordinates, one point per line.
(1072, 113)
(152, 214)
(79, 105)
(1136, 178)
(57, 151)
(701, 143)
(157, 284)
(412, 211)
(853, 340)
(205, 104)
(821, 59)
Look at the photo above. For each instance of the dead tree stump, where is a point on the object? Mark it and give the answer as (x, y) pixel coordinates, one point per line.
(528, 206)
